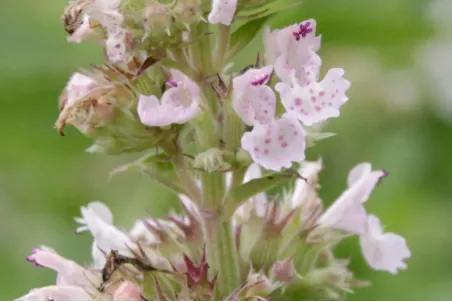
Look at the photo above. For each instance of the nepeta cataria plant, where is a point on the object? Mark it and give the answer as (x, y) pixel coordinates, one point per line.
(221, 140)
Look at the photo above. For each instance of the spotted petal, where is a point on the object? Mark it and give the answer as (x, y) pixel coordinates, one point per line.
(315, 102)
(277, 144)
(383, 251)
(252, 100)
(222, 11)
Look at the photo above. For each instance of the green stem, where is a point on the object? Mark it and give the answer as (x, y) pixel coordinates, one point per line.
(220, 244)
(233, 128)
(221, 47)
(186, 178)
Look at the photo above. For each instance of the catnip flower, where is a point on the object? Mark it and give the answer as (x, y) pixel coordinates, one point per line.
(383, 251)
(178, 105)
(222, 11)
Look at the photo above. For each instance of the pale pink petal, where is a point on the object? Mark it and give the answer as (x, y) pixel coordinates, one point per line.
(57, 293)
(300, 69)
(293, 41)
(252, 100)
(116, 47)
(178, 105)
(303, 189)
(384, 252)
(347, 212)
(358, 172)
(222, 11)
(82, 32)
(315, 102)
(276, 145)
(79, 86)
(128, 291)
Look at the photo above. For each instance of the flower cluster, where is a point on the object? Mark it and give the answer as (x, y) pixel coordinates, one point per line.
(220, 140)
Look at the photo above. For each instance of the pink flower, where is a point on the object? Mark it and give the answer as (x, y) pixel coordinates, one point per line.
(347, 212)
(294, 42)
(383, 251)
(78, 86)
(69, 273)
(277, 144)
(222, 11)
(57, 293)
(252, 100)
(313, 101)
(273, 143)
(178, 105)
(128, 291)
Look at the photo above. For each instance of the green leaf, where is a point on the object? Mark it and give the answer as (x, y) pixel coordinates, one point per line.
(245, 34)
(242, 193)
(158, 286)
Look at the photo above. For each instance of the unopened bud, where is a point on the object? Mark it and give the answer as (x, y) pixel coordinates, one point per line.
(187, 11)
(211, 160)
(283, 271)
(156, 17)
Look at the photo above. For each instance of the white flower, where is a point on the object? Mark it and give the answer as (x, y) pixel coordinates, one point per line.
(383, 251)
(222, 11)
(273, 143)
(306, 187)
(347, 212)
(277, 144)
(97, 218)
(178, 105)
(313, 101)
(83, 31)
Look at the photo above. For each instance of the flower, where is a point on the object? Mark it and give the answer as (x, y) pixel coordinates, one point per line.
(128, 291)
(83, 31)
(277, 144)
(57, 293)
(273, 143)
(222, 11)
(292, 42)
(98, 219)
(383, 251)
(347, 212)
(79, 86)
(178, 105)
(314, 102)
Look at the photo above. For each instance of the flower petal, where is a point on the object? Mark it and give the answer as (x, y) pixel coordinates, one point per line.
(57, 293)
(252, 100)
(82, 32)
(293, 41)
(277, 144)
(315, 102)
(303, 189)
(222, 11)
(384, 252)
(347, 212)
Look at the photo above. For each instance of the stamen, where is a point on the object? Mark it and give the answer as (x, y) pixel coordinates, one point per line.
(304, 29)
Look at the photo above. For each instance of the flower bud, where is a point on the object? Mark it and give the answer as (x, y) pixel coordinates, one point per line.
(283, 271)
(211, 160)
(187, 12)
(156, 18)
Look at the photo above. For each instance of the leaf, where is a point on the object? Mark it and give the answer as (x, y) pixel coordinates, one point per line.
(245, 34)
(242, 193)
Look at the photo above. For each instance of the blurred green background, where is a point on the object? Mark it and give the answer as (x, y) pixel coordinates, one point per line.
(398, 56)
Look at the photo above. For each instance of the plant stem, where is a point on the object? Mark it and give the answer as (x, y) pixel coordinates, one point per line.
(220, 244)
(221, 47)
(186, 178)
